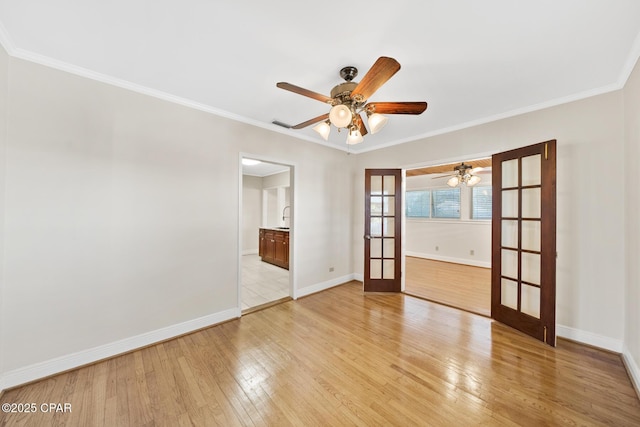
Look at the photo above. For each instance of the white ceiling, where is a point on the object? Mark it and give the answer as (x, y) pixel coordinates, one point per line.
(472, 61)
(263, 169)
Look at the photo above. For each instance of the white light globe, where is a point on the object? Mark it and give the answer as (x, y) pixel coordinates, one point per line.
(453, 181)
(377, 122)
(340, 116)
(355, 137)
(473, 180)
(323, 129)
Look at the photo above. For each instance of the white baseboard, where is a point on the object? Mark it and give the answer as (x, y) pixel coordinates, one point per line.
(465, 261)
(324, 285)
(589, 338)
(64, 363)
(632, 369)
(250, 252)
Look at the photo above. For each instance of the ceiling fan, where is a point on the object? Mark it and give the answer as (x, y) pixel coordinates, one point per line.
(348, 101)
(463, 173)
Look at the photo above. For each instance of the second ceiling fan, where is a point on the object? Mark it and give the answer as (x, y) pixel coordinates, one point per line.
(348, 101)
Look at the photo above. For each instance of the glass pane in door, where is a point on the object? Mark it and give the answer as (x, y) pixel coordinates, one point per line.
(530, 268)
(531, 235)
(510, 203)
(376, 248)
(388, 247)
(509, 263)
(531, 301)
(389, 205)
(531, 202)
(510, 173)
(389, 185)
(376, 205)
(510, 233)
(376, 185)
(388, 271)
(376, 226)
(531, 170)
(509, 293)
(376, 269)
(388, 228)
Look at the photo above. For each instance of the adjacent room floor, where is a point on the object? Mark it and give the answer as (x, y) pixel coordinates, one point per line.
(262, 282)
(457, 285)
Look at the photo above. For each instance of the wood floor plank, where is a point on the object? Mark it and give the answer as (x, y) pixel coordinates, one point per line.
(341, 357)
(462, 286)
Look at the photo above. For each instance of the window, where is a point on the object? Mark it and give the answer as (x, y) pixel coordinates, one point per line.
(481, 202)
(418, 204)
(446, 203)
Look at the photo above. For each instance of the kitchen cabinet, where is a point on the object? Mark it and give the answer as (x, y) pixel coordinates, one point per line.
(274, 246)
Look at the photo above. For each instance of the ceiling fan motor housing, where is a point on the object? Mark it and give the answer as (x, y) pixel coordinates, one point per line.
(343, 90)
(462, 168)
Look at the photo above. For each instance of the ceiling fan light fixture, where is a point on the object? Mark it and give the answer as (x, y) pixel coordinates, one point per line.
(340, 116)
(473, 180)
(323, 128)
(376, 122)
(355, 137)
(453, 181)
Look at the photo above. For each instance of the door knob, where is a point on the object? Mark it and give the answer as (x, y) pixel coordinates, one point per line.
(366, 236)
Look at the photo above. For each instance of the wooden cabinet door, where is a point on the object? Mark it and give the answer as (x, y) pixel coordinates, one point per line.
(279, 250)
(269, 245)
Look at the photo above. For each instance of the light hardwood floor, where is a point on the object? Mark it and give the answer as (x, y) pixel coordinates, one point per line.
(457, 285)
(342, 358)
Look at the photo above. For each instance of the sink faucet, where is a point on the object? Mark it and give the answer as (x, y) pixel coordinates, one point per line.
(285, 208)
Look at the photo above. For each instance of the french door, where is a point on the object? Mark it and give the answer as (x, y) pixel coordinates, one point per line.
(382, 230)
(523, 283)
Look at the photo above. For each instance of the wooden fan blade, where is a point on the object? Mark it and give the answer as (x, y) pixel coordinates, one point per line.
(310, 122)
(397, 107)
(304, 92)
(383, 69)
(444, 176)
(360, 124)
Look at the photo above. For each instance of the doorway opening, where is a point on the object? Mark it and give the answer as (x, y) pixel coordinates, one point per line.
(266, 221)
(448, 234)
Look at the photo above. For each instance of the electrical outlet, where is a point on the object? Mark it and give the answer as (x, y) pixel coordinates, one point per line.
(330, 269)
(437, 248)
(472, 252)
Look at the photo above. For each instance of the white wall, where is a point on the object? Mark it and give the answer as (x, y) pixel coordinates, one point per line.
(251, 213)
(277, 190)
(590, 217)
(122, 223)
(632, 224)
(281, 179)
(449, 240)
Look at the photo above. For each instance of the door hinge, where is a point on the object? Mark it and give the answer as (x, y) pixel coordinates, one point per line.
(546, 148)
(544, 331)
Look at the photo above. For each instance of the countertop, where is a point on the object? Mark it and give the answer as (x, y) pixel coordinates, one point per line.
(285, 229)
